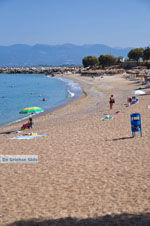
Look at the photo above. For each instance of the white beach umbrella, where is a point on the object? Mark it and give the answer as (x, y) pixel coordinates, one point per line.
(138, 92)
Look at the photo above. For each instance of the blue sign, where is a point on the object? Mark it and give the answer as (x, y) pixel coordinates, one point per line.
(136, 123)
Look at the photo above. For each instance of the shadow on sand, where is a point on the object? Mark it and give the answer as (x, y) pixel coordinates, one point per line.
(146, 94)
(141, 88)
(9, 132)
(122, 138)
(108, 220)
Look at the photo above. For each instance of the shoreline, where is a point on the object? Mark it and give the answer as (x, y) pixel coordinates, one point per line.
(87, 168)
(78, 95)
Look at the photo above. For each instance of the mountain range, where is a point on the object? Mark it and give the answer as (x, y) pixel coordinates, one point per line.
(54, 55)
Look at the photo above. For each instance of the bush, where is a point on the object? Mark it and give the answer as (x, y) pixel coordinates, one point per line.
(107, 60)
(90, 61)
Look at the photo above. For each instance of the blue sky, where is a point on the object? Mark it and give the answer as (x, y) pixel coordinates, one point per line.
(117, 23)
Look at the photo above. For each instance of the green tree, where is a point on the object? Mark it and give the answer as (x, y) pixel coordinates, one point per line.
(136, 54)
(107, 60)
(85, 62)
(90, 61)
(146, 55)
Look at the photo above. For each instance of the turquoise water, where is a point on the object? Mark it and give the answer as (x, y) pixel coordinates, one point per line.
(18, 91)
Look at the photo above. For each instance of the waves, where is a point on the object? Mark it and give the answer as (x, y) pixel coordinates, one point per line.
(73, 88)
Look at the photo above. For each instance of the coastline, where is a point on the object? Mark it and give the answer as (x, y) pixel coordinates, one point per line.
(87, 167)
(85, 92)
(74, 92)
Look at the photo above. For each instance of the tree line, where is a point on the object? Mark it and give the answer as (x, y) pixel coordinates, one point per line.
(108, 60)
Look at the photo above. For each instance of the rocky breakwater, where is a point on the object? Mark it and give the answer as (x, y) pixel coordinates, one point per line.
(38, 70)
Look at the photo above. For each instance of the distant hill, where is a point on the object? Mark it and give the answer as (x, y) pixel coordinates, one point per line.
(54, 55)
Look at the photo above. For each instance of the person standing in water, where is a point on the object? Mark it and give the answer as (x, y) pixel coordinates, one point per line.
(111, 101)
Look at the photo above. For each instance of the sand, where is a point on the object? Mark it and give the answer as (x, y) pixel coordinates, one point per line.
(87, 168)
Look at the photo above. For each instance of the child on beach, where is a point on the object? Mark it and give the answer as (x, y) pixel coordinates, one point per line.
(28, 125)
(111, 101)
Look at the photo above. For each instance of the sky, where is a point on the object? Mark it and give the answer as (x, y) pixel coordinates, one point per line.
(116, 23)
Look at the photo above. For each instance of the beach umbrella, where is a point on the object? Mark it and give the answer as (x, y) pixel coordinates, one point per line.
(31, 110)
(138, 92)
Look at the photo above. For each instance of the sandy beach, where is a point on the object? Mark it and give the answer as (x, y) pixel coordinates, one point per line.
(87, 168)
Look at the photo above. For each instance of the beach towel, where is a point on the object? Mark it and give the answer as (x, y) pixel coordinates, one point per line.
(104, 114)
(106, 118)
(28, 136)
(127, 105)
(135, 101)
(118, 112)
(144, 83)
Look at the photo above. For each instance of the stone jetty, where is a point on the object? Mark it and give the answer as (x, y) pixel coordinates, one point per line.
(39, 70)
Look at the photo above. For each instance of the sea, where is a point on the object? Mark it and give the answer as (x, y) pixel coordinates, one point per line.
(18, 91)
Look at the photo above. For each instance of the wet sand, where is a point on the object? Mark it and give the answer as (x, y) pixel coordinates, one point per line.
(87, 168)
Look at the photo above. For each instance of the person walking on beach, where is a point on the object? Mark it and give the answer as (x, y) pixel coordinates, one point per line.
(111, 101)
